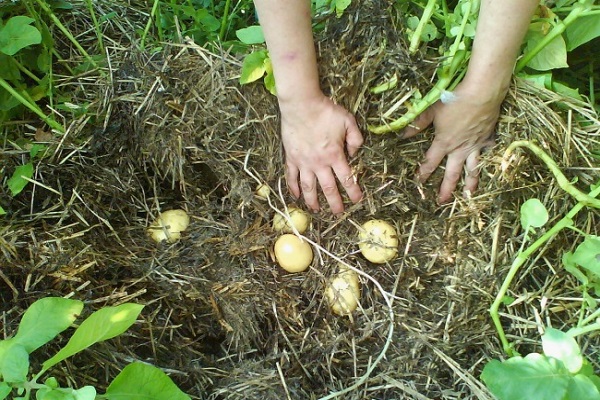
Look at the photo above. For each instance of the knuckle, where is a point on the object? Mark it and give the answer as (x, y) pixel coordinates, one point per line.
(329, 189)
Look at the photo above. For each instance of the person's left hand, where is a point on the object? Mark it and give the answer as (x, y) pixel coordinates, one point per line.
(463, 127)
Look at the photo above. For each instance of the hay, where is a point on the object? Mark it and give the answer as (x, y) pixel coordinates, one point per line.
(221, 318)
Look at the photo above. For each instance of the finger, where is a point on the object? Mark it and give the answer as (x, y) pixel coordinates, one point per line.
(472, 173)
(308, 185)
(330, 190)
(349, 182)
(453, 173)
(418, 125)
(433, 157)
(354, 138)
(291, 177)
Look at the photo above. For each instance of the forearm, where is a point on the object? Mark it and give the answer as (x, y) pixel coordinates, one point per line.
(501, 28)
(288, 32)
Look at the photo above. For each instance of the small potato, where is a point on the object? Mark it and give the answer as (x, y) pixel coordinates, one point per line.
(169, 225)
(292, 253)
(343, 292)
(299, 218)
(263, 191)
(378, 241)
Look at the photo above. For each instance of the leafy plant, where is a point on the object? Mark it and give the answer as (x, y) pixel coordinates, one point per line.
(560, 373)
(43, 321)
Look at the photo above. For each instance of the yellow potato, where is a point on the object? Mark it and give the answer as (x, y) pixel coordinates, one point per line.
(169, 225)
(292, 253)
(378, 241)
(343, 292)
(299, 218)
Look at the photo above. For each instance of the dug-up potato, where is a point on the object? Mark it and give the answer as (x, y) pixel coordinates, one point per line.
(378, 241)
(169, 225)
(292, 253)
(343, 291)
(298, 218)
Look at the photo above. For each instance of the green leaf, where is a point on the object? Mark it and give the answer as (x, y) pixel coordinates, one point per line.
(254, 66)
(251, 35)
(85, 393)
(2, 212)
(553, 55)
(9, 70)
(587, 255)
(563, 347)
(571, 268)
(45, 319)
(585, 29)
(340, 6)
(582, 388)
(54, 394)
(17, 182)
(103, 324)
(14, 361)
(533, 214)
(4, 390)
(532, 377)
(17, 34)
(143, 381)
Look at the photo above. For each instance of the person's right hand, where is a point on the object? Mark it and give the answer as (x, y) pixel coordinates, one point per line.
(316, 134)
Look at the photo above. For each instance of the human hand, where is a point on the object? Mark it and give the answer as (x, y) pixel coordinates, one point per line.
(463, 127)
(316, 133)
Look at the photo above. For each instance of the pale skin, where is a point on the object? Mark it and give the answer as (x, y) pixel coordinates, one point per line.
(318, 135)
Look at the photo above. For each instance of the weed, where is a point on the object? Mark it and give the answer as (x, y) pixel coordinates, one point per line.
(48, 317)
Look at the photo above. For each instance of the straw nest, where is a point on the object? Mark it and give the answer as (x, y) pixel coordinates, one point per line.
(178, 131)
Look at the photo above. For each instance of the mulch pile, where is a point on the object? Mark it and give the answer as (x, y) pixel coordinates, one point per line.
(176, 130)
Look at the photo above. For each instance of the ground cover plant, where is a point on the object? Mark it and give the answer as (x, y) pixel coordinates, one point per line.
(155, 119)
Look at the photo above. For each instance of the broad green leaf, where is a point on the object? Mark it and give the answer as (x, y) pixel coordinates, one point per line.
(571, 268)
(254, 67)
(587, 255)
(103, 324)
(269, 77)
(563, 347)
(582, 388)
(532, 377)
(340, 6)
(14, 361)
(533, 214)
(54, 394)
(45, 319)
(552, 56)
(4, 390)
(17, 181)
(17, 34)
(582, 31)
(85, 393)
(9, 70)
(143, 381)
(251, 35)
(2, 212)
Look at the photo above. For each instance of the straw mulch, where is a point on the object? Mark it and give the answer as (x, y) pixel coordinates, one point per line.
(178, 131)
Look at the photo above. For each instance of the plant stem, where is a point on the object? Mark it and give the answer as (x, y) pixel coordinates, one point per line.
(149, 24)
(415, 40)
(96, 26)
(224, 19)
(561, 179)
(66, 32)
(521, 258)
(577, 331)
(32, 106)
(558, 30)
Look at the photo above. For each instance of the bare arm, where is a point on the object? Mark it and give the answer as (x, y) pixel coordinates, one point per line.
(316, 133)
(465, 126)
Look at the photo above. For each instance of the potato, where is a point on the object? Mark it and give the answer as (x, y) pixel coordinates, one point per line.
(299, 218)
(343, 291)
(169, 225)
(378, 241)
(292, 253)
(263, 191)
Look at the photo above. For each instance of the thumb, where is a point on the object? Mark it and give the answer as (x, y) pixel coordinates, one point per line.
(420, 123)
(354, 138)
